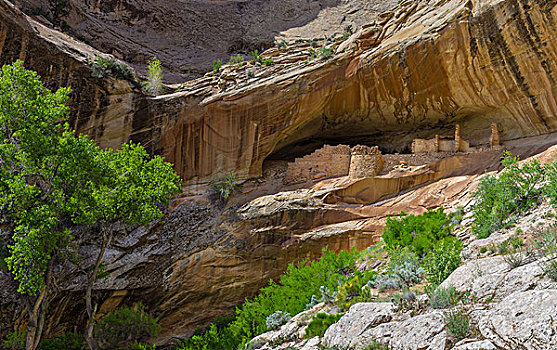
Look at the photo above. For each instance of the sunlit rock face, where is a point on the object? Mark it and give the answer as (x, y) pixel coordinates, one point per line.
(429, 66)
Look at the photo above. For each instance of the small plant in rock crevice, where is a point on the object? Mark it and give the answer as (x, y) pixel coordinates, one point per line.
(442, 298)
(216, 66)
(153, 85)
(103, 66)
(225, 188)
(457, 323)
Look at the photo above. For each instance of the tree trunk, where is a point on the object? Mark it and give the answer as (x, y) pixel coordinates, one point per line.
(37, 313)
(89, 338)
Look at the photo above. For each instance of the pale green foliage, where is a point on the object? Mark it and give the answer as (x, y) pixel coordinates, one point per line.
(442, 298)
(277, 319)
(153, 85)
(52, 181)
(216, 66)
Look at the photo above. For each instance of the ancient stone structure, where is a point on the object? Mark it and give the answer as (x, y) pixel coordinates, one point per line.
(328, 161)
(495, 139)
(441, 144)
(365, 161)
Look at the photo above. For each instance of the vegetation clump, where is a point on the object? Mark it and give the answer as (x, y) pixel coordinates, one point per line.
(216, 66)
(419, 233)
(457, 323)
(153, 85)
(103, 66)
(124, 326)
(225, 188)
(501, 199)
(277, 319)
(320, 323)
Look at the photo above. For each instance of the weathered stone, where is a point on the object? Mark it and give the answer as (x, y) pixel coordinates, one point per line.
(359, 318)
(469, 344)
(523, 320)
(365, 161)
(329, 161)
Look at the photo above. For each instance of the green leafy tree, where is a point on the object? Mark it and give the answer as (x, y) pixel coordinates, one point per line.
(53, 182)
(154, 78)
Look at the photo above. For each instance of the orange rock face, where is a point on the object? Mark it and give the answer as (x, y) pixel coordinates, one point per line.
(434, 64)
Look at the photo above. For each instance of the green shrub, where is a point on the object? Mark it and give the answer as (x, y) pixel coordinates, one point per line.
(320, 323)
(501, 199)
(216, 66)
(107, 65)
(66, 341)
(417, 232)
(355, 290)
(457, 323)
(139, 346)
(15, 340)
(442, 298)
(290, 294)
(125, 325)
(254, 56)
(268, 62)
(236, 59)
(153, 85)
(376, 346)
(282, 44)
(225, 188)
(325, 52)
(442, 260)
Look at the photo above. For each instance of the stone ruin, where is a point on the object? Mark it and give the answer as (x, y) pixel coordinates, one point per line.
(365, 161)
(335, 161)
(441, 144)
(447, 144)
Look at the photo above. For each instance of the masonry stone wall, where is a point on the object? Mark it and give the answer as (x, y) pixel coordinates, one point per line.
(328, 161)
(365, 162)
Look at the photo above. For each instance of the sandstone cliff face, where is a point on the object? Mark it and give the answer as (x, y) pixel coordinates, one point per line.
(102, 108)
(188, 35)
(422, 67)
(414, 72)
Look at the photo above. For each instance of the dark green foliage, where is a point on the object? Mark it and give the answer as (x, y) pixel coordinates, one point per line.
(124, 326)
(291, 294)
(268, 62)
(320, 323)
(501, 199)
(325, 52)
(14, 341)
(105, 66)
(282, 44)
(442, 260)
(417, 232)
(457, 323)
(66, 341)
